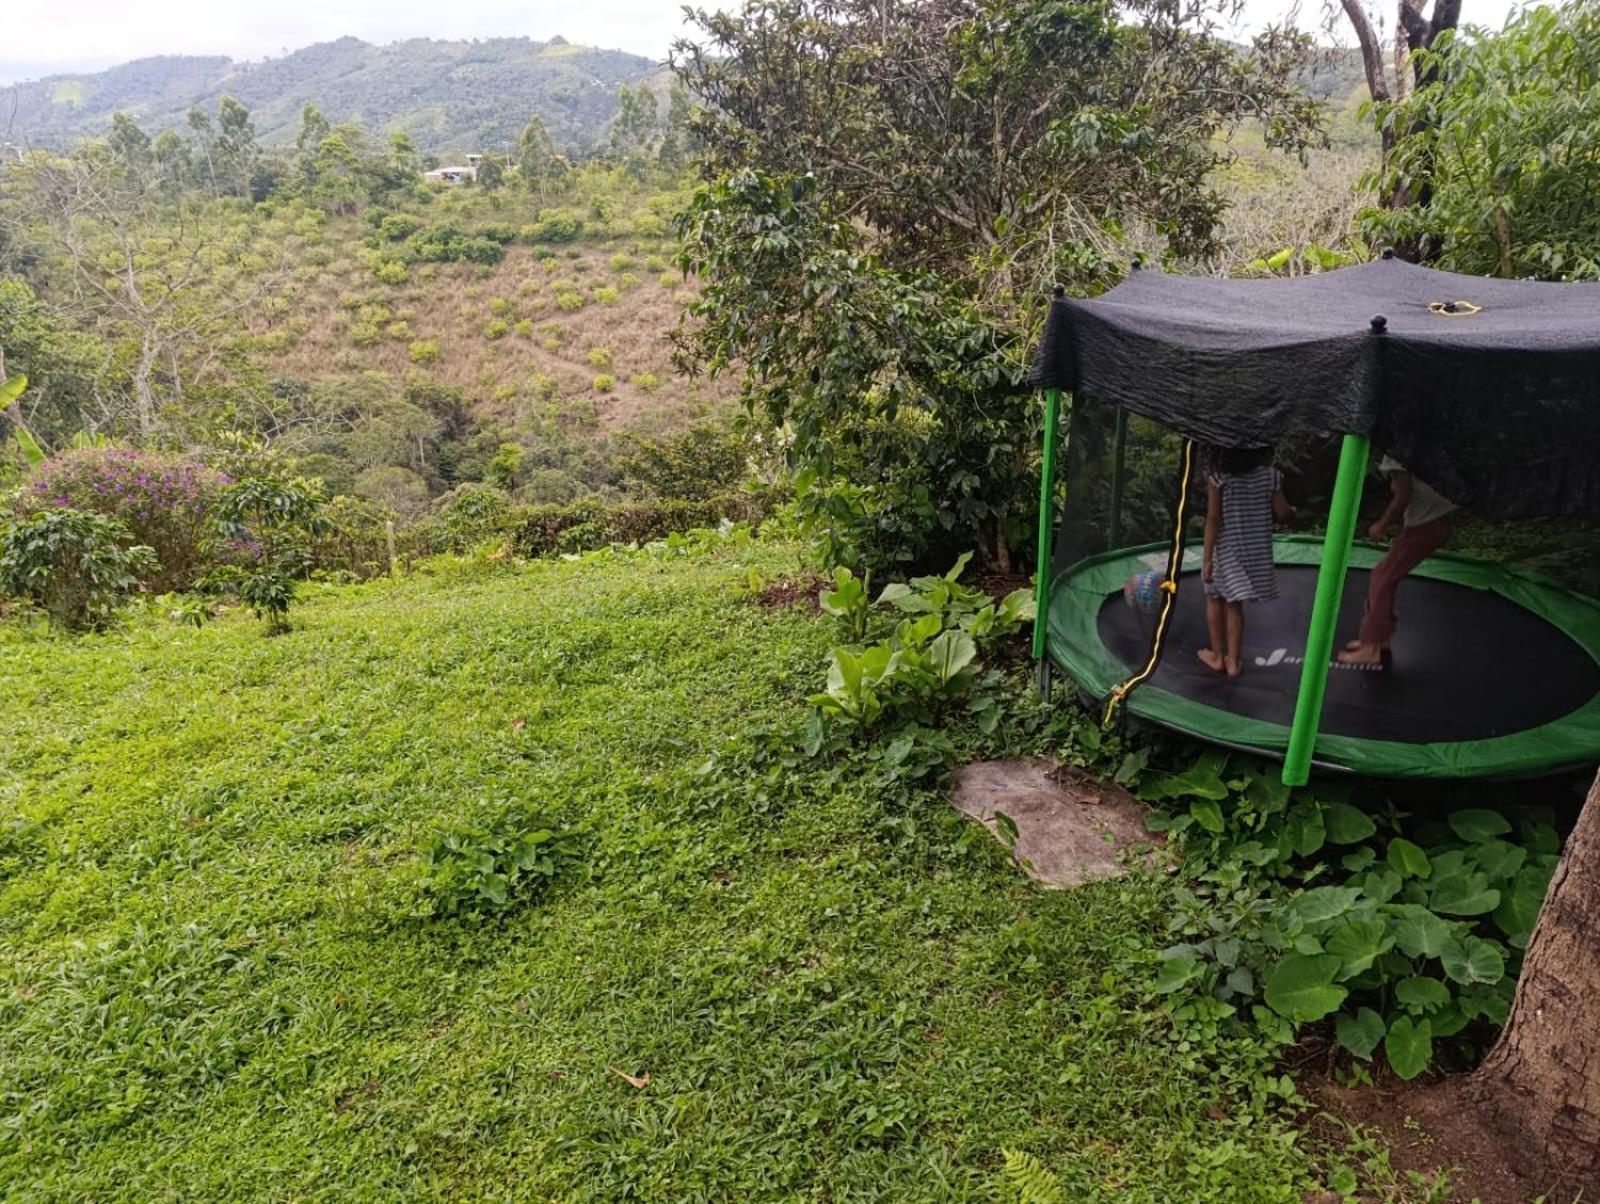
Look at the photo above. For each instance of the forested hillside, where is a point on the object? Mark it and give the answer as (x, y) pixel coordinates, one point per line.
(445, 95)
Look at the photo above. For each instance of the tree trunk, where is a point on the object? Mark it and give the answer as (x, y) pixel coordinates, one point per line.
(1541, 1081)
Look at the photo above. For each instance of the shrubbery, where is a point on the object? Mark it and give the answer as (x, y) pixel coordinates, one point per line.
(557, 226)
(166, 503)
(75, 565)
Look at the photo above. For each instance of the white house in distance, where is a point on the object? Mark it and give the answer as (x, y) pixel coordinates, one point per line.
(455, 174)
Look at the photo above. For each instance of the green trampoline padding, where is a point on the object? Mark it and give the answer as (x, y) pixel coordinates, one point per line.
(1495, 673)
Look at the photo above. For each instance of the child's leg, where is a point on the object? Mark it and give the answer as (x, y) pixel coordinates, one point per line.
(1215, 656)
(1235, 621)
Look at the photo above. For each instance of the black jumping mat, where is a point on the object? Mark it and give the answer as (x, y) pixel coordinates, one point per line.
(1467, 664)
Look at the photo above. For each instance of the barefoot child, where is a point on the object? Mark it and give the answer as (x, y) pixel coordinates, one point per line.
(1426, 517)
(1243, 494)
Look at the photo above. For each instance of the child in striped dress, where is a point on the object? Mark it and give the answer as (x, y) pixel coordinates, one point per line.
(1243, 495)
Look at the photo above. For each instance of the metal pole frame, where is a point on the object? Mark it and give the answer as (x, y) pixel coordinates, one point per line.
(1119, 479)
(1325, 610)
(1047, 486)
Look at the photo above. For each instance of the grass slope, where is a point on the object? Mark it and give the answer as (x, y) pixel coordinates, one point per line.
(214, 984)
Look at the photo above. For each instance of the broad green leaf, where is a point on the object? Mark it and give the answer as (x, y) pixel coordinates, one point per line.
(1498, 859)
(1176, 972)
(1421, 993)
(1520, 904)
(1346, 824)
(952, 652)
(1358, 944)
(1476, 823)
(1420, 933)
(1324, 902)
(1207, 813)
(11, 389)
(1464, 894)
(1408, 860)
(1360, 1033)
(1381, 885)
(1473, 961)
(1301, 987)
(960, 566)
(1408, 1046)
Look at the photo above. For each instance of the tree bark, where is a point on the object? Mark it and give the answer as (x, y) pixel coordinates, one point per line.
(1541, 1081)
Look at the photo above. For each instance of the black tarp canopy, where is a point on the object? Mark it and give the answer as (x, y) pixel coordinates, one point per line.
(1487, 389)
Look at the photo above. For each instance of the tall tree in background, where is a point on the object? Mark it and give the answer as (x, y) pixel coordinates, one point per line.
(536, 155)
(894, 188)
(636, 128)
(1418, 35)
(1506, 136)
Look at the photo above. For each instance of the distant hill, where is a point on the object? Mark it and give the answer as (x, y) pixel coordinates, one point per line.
(446, 95)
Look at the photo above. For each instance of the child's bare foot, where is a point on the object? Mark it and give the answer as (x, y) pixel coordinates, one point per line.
(1211, 660)
(1352, 646)
(1234, 668)
(1362, 654)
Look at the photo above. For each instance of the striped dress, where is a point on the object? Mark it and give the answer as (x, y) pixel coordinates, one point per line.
(1241, 564)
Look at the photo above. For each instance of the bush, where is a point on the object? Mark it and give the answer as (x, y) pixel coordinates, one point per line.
(604, 383)
(471, 513)
(557, 226)
(621, 263)
(701, 461)
(391, 271)
(397, 227)
(478, 871)
(645, 382)
(276, 522)
(599, 357)
(495, 328)
(499, 232)
(545, 530)
(500, 307)
(482, 250)
(607, 295)
(570, 301)
(165, 501)
(424, 351)
(355, 540)
(73, 564)
(524, 328)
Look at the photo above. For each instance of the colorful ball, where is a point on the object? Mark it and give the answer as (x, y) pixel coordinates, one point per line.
(1143, 591)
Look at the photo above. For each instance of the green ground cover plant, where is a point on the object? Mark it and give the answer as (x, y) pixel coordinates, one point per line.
(226, 971)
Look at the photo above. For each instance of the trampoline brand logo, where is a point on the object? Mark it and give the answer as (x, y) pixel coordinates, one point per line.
(1280, 656)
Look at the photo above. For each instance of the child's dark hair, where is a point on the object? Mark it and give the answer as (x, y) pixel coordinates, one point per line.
(1233, 460)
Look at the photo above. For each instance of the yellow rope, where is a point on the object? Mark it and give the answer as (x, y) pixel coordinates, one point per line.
(1169, 598)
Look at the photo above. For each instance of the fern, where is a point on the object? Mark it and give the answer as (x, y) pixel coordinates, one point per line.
(1033, 1181)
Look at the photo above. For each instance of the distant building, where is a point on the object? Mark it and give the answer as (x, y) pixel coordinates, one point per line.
(454, 175)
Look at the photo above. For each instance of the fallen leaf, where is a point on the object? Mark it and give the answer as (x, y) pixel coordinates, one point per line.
(637, 1084)
(518, 724)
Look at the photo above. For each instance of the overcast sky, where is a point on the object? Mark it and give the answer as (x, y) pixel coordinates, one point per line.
(42, 37)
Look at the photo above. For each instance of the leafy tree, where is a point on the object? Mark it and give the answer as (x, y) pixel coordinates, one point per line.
(1505, 137)
(537, 158)
(635, 129)
(272, 523)
(129, 145)
(894, 188)
(491, 173)
(63, 366)
(236, 151)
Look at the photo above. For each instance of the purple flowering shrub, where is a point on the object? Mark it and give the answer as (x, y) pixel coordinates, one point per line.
(167, 502)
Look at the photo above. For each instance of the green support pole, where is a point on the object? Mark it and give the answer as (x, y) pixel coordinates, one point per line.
(1047, 489)
(1119, 478)
(1325, 610)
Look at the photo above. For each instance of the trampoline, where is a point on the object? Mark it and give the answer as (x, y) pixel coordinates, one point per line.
(1488, 389)
(1499, 675)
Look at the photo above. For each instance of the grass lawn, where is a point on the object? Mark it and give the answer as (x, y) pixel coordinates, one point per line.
(217, 980)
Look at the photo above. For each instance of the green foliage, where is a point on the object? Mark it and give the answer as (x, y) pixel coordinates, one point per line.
(872, 267)
(272, 522)
(703, 460)
(1031, 1181)
(606, 295)
(543, 530)
(1319, 909)
(557, 226)
(599, 357)
(496, 328)
(488, 869)
(424, 351)
(848, 602)
(74, 565)
(397, 227)
(165, 501)
(1504, 140)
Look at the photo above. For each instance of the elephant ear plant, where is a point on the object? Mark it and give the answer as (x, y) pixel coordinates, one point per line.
(266, 527)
